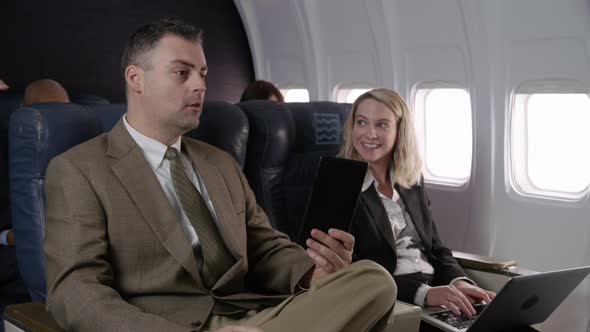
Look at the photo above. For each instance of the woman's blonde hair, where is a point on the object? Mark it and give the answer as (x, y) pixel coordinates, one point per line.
(407, 165)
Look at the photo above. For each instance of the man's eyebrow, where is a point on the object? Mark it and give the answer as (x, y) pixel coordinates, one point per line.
(182, 62)
(188, 64)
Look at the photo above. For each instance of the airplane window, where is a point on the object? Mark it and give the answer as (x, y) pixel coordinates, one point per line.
(549, 144)
(444, 130)
(349, 95)
(295, 95)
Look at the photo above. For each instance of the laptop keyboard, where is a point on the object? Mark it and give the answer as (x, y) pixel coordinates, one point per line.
(460, 322)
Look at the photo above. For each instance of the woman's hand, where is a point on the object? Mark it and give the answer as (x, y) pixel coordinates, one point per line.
(458, 297)
(450, 297)
(474, 293)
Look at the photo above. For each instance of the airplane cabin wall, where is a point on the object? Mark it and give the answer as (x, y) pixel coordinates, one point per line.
(487, 47)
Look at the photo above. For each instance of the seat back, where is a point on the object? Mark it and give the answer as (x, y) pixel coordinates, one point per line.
(285, 144)
(225, 126)
(222, 125)
(37, 134)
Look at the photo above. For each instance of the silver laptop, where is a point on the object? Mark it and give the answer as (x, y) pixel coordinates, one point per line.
(523, 301)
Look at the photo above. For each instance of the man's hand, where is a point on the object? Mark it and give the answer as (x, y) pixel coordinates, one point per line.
(3, 86)
(330, 252)
(238, 329)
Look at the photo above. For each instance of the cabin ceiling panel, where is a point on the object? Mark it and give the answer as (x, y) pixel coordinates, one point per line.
(278, 28)
(273, 30)
(442, 22)
(547, 58)
(287, 70)
(535, 19)
(445, 63)
(364, 70)
(344, 26)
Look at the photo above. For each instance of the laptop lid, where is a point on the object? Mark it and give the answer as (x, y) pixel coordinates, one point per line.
(334, 196)
(523, 301)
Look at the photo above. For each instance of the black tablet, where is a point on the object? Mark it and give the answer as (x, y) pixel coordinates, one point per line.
(334, 195)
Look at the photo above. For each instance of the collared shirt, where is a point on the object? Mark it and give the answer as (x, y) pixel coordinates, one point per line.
(408, 244)
(154, 153)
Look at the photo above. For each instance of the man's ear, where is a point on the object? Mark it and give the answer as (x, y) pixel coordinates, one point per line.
(134, 78)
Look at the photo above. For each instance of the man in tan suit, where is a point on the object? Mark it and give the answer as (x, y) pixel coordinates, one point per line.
(126, 250)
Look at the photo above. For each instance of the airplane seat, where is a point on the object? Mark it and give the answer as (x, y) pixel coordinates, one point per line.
(88, 100)
(318, 132)
(109, 114)
(284, 147)
(10, 101)
(225, 126)
(222, 125)
(42, 131)
(38, 133)
(270, 141)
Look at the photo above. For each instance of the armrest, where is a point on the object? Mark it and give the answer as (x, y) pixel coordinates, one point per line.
(29, 317)
(404, 318)
(482, 262)
(489, 272)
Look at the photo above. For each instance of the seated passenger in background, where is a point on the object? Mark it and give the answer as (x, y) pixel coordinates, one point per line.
(393, 224)
(262, 90)
(45, 91)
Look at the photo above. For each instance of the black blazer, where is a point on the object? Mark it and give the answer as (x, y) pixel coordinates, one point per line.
(374, 238)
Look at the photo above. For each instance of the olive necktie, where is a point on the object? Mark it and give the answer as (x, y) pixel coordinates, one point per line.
(216, 258)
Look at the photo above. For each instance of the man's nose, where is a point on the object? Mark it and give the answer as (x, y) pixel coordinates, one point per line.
(198, 83)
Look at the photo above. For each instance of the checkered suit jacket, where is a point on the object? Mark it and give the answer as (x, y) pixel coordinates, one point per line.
(117, 258)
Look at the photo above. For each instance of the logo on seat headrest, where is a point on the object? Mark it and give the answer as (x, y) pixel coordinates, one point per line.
(327, 128)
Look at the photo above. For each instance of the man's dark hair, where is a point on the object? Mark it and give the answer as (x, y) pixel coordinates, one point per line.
(146, 38)
(261, 90)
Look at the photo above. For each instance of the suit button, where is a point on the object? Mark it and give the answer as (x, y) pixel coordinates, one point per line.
(196, 324)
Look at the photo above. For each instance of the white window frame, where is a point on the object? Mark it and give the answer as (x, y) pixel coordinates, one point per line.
(418, 97)
(518, 182)
(284, 89)
(341, 91)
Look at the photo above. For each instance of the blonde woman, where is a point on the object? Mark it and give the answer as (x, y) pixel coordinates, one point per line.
(393, 225)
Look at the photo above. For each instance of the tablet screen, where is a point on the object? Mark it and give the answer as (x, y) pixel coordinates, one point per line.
(334, 196)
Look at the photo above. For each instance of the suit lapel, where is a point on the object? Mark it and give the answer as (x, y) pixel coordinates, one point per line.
(221, 198)
(377, 213)
(414, 208)
(231, 229)
(141, 183)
